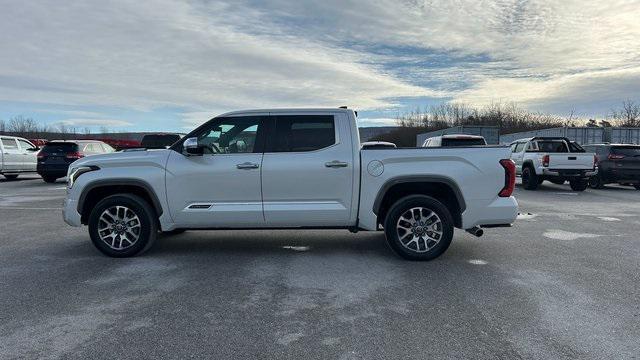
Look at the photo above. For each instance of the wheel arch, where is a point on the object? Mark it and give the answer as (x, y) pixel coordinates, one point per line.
(442, 188)
(99, 189)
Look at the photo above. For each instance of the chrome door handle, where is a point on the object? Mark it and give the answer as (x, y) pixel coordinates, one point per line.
(247, 165)
(335, 164)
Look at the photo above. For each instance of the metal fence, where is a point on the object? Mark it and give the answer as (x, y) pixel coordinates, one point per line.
(581, 135)
(623, 135)
(490, 133)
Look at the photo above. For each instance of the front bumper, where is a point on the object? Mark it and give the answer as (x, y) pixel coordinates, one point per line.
(569, 173)
(70, 212)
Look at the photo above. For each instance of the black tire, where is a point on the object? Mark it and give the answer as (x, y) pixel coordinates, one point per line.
(637, 186)
(147, 218)
(11, 177)
(579, 184)
(49, 179)
(422, 251)
(174, 232)
(596, 182)
(529, 178)
(557, 181)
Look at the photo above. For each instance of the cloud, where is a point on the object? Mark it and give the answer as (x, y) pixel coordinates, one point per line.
(209, 57)
(94, 122)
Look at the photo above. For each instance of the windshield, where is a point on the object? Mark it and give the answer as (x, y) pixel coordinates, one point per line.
(626, 150)
(60, 147)
(463, 141)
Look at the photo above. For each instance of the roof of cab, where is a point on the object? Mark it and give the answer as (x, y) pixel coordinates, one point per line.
(286, 110)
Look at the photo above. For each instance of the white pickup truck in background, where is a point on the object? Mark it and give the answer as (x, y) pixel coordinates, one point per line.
(552, 158)
(291, 168)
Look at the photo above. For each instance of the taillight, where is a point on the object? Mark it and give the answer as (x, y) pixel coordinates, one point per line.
(509, 177)
(615, 157)
(41, 155)
(545, 161)
(74, 155)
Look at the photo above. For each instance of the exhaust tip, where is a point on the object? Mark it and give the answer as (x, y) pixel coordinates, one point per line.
(475, 231)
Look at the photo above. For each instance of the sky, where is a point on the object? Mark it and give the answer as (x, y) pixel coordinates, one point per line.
(167, 65)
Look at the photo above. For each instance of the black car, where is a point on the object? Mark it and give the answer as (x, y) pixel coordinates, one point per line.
(55, 156)
(159, 141)
(617, 163)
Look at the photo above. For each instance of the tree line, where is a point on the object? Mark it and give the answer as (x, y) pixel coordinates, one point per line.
(29, 128)
(508, 116)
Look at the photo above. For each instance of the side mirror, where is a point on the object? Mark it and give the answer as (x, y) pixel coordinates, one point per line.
(191, 147)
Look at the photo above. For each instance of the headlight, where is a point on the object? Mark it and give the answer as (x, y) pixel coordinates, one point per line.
(74, 173)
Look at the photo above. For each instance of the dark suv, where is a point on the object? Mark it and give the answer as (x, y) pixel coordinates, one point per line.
(55, 156)
(617, 163)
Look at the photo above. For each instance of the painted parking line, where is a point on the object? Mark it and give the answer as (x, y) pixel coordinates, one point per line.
(28, 208)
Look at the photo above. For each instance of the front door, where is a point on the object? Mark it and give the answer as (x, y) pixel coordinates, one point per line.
(307, 171)
(220, 188)
(11, 155)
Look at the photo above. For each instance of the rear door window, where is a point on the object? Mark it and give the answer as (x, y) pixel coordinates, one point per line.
(9, 144)
(300, 133)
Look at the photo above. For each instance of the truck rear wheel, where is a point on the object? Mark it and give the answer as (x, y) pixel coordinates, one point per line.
(529, 178)
(11, 176)
(579, 184)
(122, 225)
(419, 227)
(596, 182)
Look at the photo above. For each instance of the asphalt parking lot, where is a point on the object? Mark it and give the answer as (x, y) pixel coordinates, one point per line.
(562, 283)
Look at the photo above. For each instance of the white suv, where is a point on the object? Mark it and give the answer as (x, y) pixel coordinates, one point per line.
(17, 156)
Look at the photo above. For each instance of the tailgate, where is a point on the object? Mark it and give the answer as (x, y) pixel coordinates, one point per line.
(571, 161)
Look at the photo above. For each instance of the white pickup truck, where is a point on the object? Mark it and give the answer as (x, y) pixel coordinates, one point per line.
(290, 169)
(552, 158)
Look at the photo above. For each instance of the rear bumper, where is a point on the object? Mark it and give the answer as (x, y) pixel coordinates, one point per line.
(53, 170)
(614, 175)
(567, 173)
(500, 212)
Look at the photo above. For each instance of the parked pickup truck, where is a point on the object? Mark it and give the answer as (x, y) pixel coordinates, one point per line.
(290, 169)
(552, 158)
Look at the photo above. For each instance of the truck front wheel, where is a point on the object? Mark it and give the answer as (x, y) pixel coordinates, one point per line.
(529, 178)
(122, 225)
(418, 227)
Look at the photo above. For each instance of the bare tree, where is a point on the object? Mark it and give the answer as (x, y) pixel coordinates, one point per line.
(628, 115)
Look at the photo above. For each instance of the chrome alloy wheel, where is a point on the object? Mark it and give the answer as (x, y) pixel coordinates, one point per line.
(119, 227)
(419, 229)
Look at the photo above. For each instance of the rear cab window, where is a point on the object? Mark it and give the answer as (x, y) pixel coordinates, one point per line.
(462, 141)
(549, 146)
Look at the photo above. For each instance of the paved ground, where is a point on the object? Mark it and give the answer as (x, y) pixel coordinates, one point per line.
(562, 283)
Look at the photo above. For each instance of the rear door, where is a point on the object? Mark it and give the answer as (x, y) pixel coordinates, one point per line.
(307, 170)
(517, 154)
(11, 155)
